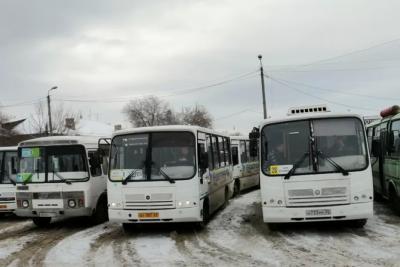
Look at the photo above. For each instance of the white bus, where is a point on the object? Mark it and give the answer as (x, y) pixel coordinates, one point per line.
(62, 176)
(8, 174)
(315, 167)
(168, 174)
(245, 166)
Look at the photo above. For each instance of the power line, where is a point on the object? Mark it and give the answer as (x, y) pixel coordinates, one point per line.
(321, 98)
(338, 91)
(25, 103)
(358, 51)
(330, 70)
(175, 92)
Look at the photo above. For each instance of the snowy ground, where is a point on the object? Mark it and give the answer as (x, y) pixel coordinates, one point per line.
(235, 236)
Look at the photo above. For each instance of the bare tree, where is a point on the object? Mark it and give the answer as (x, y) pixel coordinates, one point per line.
(149, 111)
(198, 115)
(39, 120)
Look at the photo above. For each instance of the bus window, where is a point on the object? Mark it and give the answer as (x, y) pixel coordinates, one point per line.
(396, 138)
(235, 155)
(215, 152)
(210, 153)
(9, 167)
(243, 156)
(227, 151)
(221, 151)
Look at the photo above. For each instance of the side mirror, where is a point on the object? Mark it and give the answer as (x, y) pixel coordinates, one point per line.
(254, 134)
(376, 148)
(203, 161)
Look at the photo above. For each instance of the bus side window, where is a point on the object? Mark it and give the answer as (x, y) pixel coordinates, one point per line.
(227, 151)
(95, 163)
(395, 132)
(210, 153)
(235, 155)
(221, 148)
(243, 157)
(215, 152)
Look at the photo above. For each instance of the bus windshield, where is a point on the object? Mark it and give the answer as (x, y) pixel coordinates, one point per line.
(153, 156)
(314, 146)
(8, 161)
(52, 164)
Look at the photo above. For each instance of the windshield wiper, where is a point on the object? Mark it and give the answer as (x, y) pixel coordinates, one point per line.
(296, 165)
(60, 177)
(333, 163)
(172, 181)
(128, 177)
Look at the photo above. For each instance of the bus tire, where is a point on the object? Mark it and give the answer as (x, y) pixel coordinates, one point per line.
(100, 214)
(358, 223)
(128, 227)
(394, 199)
(205, 215)
(274, 226)
(226, 198)
(41, 221)
(236, 188)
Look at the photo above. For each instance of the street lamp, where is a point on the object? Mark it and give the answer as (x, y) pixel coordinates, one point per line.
(48, 107)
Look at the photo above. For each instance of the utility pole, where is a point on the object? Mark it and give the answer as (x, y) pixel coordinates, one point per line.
(263, 86)
(48, 108)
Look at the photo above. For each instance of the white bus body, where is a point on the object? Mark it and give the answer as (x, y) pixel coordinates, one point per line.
(168, 174)
(317, 190)
(245, 167)
(8, 174)
(62, 176)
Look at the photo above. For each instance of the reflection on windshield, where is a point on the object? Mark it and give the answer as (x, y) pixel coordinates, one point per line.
(67, 162)
(171, 152)
(340, 139)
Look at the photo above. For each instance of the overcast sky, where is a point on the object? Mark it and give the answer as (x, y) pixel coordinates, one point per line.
(107, 52)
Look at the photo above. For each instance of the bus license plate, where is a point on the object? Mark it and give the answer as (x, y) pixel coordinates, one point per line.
(318, 212)
(47, 214)
(3, 206)
(148, 215)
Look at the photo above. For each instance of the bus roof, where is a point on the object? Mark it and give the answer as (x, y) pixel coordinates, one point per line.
(306, 116)
(8, 148)
(61, 140)
(374, 123)
(166, 128)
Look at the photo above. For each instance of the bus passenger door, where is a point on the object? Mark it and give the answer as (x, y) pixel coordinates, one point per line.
(204, 173)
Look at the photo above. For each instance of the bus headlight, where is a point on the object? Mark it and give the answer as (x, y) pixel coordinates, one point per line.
(25, 203)
(71, 203)
(184, 204)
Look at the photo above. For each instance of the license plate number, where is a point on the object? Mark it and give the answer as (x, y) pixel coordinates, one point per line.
(3, 206)
(47, 214)
(318, 212)
(148, 215)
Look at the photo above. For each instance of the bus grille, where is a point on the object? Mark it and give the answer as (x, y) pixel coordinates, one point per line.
(149, 201)
(318, 197)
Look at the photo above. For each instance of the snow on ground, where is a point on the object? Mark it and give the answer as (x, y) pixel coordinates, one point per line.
(236, 236)
(73, 249)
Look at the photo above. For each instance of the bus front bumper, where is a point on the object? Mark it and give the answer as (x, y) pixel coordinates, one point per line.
(7, 207)
(77, 212)
(301, 214)
(155, 216)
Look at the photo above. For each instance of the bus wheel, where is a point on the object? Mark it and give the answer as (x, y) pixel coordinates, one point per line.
(358, 223)
(274, 226)
(394, 200)
(41, 221)
(206, 215)
(236, 189)
(100, 215)
(226, 198)
(128, 227)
